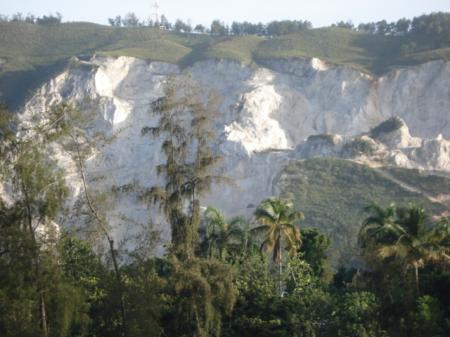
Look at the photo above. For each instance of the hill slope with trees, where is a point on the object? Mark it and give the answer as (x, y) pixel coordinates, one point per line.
(373, 47)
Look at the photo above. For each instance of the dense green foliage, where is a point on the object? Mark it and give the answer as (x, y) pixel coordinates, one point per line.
(403, 234)
(216, 278)
(397, 243)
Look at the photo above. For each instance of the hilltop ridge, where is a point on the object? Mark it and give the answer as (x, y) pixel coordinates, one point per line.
(32, 54)
(25, 46)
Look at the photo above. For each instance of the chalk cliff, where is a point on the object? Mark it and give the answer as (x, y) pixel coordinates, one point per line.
(267, 114)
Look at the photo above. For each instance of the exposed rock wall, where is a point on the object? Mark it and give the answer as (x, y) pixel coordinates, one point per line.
(266, 113)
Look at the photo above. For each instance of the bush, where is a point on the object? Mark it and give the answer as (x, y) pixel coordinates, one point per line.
(358, 315)
(428, 317)
(392, 124)
(331, 139)
(359, 147)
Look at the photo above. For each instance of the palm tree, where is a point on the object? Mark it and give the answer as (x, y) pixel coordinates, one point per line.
(418, 243)
(379, 226)
(249, 243)
(222, 237)
(278, 218)
(407, 238)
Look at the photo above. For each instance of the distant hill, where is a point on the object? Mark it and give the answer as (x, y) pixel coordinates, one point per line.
(31, 54)
(26, 46)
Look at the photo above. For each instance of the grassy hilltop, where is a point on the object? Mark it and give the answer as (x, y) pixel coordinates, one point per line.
(25, 46)
(31, 54)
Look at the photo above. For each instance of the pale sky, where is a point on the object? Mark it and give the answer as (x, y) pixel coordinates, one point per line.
(319, 12)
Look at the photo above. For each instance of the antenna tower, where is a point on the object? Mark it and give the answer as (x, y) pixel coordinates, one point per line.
(156, 12)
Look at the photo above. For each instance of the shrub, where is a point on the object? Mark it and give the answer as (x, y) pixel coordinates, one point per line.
(390, 125)
(359, 147)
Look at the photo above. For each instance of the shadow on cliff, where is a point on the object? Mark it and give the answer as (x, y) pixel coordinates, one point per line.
(200, 52)
(16, 87)
(384, 53)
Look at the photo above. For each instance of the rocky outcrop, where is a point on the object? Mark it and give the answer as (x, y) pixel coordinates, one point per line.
(389, 143)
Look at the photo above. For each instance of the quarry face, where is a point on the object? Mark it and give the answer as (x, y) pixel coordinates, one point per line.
(267, 115)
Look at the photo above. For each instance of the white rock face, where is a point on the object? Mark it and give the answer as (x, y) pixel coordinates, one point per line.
(433, 154)
(266, 113)
(396, 147)
(258, 129)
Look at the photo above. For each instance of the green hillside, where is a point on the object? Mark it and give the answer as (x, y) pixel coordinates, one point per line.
(26, 46)
(31, 53)
(332, 194)
(369, 53)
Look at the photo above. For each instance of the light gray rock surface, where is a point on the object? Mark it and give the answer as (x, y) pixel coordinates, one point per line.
(392, 148)
(267, 113)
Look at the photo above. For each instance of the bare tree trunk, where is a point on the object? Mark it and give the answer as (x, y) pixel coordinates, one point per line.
(43, 316)
(280, 269)
(416, 275)
(120, 285)
(42, 306)
(100, 222)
